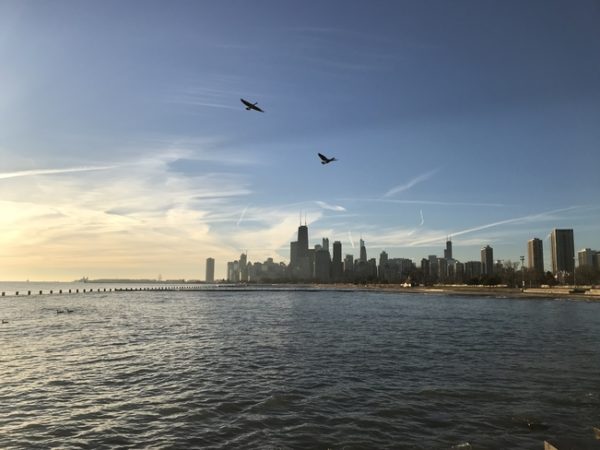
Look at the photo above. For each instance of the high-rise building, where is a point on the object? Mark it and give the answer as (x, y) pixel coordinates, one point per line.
(586, 257)
(383, 258)
(337, 267)
(487, 260)
(302, 241)
(535, 254)
(473, 269)
(363, 251)
(210, 270)
(563, 251)
(322, 265)
(293, 254)
(348, 266)
(303, 268)
(243, 268)
(448, 250)
(230, 275)
(325, 244)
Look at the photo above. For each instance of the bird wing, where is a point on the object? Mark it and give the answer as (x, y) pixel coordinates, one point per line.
(257, 108)
(245, 102)
(323, 157)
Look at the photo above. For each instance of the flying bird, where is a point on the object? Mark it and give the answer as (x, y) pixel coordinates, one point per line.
(325, 159)
(250, 106)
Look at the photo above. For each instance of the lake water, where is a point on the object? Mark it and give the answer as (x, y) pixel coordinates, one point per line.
(297, 370)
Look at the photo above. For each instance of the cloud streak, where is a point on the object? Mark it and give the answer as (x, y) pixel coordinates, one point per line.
(517, 220)
(35, 172)
(330, 207)
(405, 187)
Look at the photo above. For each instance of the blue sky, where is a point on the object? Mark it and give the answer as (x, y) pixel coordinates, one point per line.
(124, 149)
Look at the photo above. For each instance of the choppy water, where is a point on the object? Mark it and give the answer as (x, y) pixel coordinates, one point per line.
(297, 370)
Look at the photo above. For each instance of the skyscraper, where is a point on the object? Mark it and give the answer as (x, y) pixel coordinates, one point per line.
(302, 241)
(322, 265)
(535, 254)
(325, 244)
(586, 257)
(363, 251)
(337, 268)
(303, 269)
(210, 270)
(563, 251)
(448, 250)
(487, 260)
(243, 268)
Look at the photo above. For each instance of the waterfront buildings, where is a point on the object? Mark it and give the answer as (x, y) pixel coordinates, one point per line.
(562, 246)
(363, 251)
(210, 270)
(317, 264)
(487, 260)
(337, 266)
(535, 255)
(587, 257)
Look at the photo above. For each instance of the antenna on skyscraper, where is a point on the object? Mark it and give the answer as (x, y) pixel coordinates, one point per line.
(304, 218)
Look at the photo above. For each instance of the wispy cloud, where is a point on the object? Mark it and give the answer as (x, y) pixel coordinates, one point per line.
(405, 187)
(543, 216)
(425, 202)
(422, 219)
(350, 239)
(34, 172)
(330, 207)
(242, 216)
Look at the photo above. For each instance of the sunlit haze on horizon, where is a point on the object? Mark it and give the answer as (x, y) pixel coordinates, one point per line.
(125, 150)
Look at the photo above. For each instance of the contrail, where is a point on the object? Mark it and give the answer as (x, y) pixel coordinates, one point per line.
(530, 217)
(242, 216)
(350, 238)
(29, 173)
(411, 183)
(330, 207)
(422, 219)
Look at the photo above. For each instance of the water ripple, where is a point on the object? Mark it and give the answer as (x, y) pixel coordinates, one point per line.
(297, 370)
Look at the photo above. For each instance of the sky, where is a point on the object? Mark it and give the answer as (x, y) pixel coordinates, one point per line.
(125, 150)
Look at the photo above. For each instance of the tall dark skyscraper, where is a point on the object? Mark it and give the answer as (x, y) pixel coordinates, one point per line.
(243, 268)
(562, 245)
(303, 269)
(337, 267)
(363, 251)
(210, 270)
(535, 255)
(448, 251)
(487, 260)
(302, 241)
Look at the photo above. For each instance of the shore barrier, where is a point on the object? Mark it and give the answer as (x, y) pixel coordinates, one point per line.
(557, 292)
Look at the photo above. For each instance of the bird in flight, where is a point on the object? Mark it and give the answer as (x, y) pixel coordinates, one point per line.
(250, 106)
(325, 159)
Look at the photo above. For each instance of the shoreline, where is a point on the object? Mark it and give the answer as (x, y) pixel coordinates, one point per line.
(492, 291)
(586, 293)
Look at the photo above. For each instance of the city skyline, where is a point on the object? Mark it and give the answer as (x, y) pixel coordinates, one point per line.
(318, 264)
(126, 151)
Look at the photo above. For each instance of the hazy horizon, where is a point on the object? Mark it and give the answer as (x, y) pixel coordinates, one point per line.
(126, 153)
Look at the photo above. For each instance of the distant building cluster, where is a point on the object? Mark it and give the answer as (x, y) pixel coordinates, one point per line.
(325, 264)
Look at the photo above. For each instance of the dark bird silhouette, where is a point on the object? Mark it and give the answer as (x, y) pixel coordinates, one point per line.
(250, 106)
(325, 159)
(4, 321)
